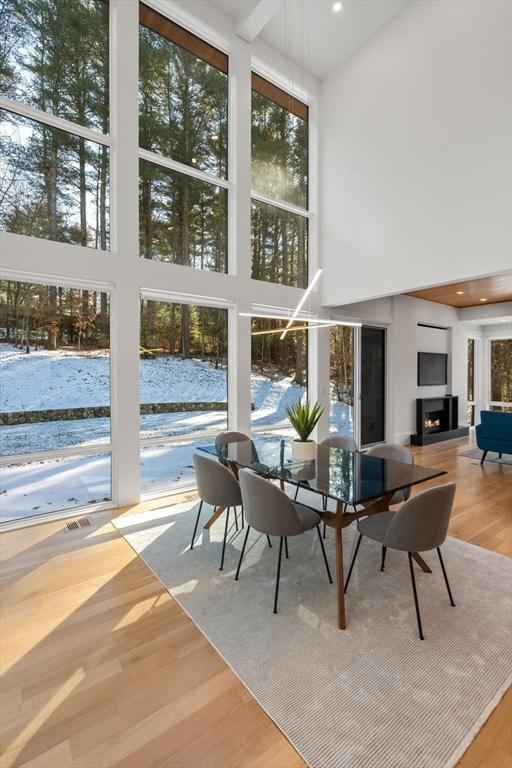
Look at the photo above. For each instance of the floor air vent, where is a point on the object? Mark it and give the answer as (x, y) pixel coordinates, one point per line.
(84, 522)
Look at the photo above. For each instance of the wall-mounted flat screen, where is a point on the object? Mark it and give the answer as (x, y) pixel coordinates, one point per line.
(432, 369)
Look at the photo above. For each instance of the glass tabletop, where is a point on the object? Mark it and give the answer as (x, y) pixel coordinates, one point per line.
(347, 476)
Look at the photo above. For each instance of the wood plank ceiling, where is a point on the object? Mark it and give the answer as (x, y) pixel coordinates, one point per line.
(470, 293)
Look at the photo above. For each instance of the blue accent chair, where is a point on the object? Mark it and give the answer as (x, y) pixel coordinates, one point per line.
(494, 433)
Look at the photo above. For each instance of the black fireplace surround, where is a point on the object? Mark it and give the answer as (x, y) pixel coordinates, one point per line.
(437, 419)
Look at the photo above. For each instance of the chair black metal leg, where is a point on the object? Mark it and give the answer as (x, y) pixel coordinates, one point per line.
(269, 542)
(323, 553)
(445, 578)
(286, 547)
(325, 529)
(483, 457)
(349, 574)
(416, 604)
(243, 521)
(242, 552)
(278, 573)
(197, 522)
(236, 518)
(296, 493)
(383, 558)
(324, 503)
(224, 542)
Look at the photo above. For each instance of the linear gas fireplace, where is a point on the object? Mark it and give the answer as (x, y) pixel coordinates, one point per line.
(437, 418)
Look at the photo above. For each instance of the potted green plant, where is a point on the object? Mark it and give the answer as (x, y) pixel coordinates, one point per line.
(304, 418)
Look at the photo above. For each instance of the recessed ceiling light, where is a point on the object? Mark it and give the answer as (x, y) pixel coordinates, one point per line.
(459, 293)
(337, 7)
(483, 299)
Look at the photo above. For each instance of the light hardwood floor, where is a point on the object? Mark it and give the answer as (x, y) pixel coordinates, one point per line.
(101, 667)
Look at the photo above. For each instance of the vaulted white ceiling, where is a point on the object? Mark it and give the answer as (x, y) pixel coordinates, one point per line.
(309, 32)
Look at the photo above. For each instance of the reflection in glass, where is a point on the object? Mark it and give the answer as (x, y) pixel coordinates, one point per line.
(182, 220)
(53, 184)
(279, 244)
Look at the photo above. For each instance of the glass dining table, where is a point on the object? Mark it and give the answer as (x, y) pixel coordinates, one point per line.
(363, 483)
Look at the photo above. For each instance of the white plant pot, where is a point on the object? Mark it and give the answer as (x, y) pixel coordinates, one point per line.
(303, 451)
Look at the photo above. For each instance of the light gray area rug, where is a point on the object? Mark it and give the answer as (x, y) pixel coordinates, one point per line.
(476, 453)
(374, 695)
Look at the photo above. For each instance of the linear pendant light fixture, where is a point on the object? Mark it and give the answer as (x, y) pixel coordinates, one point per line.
(301, 302)
(307, 323)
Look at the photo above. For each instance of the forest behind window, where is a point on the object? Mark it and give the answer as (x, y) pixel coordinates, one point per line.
(183, 115)
(279, 162)
(279, 371)
(54, 56)
(183, 387)
(501, 373)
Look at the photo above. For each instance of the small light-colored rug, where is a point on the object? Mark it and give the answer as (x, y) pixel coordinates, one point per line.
(476, 453)
(374, 695)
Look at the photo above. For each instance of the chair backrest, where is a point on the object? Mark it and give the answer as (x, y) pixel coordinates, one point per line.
(216, 484)
(496, 424)
(339, 441)
(267, 508)
(422, 522)
(394, 452)
(230, 436)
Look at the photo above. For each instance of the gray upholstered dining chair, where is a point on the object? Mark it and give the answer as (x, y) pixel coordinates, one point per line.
(216, 485)
(420, 524)
(269, 510)
(393, 452)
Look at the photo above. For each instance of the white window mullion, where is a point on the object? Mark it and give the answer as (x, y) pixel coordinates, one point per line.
(124, 28)
(186, 170)
(279, 204)
(55, 122)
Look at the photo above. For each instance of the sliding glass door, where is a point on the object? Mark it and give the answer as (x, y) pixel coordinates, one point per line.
(373, 385)
(341, 380)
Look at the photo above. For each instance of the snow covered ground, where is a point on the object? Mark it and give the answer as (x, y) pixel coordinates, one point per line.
(65, 379)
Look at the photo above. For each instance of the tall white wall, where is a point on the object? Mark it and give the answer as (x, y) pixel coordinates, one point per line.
(415, 153)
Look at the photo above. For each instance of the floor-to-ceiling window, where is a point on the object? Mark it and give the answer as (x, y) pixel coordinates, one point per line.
(54, 399)
(341, 380)
(183, 388)
(121, 176)
(500, 374)
(279, 180)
